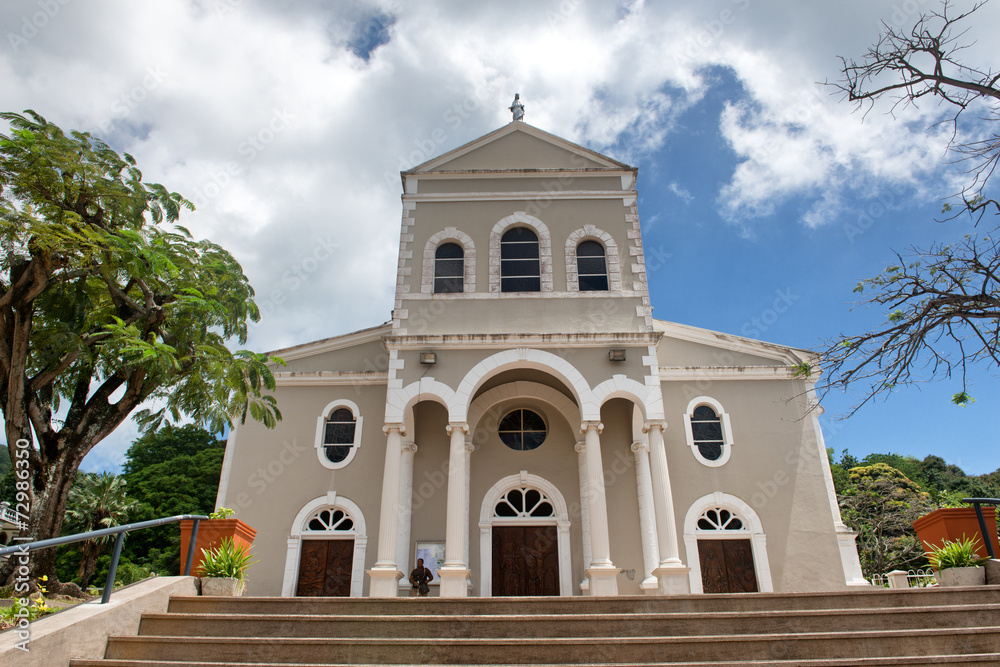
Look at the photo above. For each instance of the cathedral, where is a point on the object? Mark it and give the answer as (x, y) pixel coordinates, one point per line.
(524, 425)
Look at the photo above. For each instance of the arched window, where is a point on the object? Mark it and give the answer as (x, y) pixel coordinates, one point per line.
(523, 502)
(592, 267)
(338, 434)
(520, 267)
(329, 520)
(708, 431)
(449, 268)
(719, 518)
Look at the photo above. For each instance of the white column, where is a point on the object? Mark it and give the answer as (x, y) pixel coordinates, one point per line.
(671, 574)
(409, 450)
(385, 573)
(581, 450)
(455, 572)
(602, 572)
(647, 517)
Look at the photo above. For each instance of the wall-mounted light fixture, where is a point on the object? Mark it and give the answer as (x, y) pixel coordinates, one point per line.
(428, 358)
(616, 355)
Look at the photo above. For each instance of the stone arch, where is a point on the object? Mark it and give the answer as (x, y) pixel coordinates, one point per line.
(359, 534)
(521, 389)
(648, 398)
(399, 402)
(469, 248)
(544, 248)
(610, 254)
(560, 519)
(524, 358)
(754, 530)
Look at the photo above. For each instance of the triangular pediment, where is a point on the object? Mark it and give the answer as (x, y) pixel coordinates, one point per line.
(518, 145)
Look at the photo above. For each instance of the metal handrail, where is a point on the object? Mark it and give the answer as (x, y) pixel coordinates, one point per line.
(976, 502)
(120, 532)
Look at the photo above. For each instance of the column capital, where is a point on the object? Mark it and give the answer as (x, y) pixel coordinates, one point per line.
(654, 423)
(400, 428)
(461, 426)
(640, 446)
(586, 426)
(469, 448)
(410, 448)
(580, 447)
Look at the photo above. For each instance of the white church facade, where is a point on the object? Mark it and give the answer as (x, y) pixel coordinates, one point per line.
(525, 425)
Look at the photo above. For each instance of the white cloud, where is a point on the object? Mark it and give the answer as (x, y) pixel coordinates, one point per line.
(291, 144)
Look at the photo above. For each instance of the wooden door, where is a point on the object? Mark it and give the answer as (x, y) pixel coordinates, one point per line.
(727, 566)
(325, 568)
(525, 560)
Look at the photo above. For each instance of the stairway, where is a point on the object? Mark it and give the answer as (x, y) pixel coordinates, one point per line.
(918, 627)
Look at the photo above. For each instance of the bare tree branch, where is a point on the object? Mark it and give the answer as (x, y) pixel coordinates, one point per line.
(942, 308)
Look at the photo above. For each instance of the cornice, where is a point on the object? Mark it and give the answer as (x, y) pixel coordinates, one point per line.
(330, 378)
(541, 341)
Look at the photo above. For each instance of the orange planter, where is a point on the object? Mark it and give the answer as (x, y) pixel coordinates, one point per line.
(956, 523)
(210, 534)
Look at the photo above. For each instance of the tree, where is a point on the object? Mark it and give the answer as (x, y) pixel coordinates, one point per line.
(881, 503)
(106, 303)
(173, 471)
(943, 303)
(96, 501)
(923, 63)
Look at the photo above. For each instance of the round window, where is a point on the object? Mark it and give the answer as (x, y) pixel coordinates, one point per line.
(522, 430)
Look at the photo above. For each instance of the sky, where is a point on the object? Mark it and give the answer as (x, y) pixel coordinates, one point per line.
(763, 196)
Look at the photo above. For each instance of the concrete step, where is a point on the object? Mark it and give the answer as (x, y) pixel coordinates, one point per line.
(906, 661)
(560, 650)
(566, 625)
(738, 602)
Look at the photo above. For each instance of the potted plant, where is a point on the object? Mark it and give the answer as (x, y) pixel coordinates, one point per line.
(953, 523)
(957, 563)
(223, 569)
(220, 524)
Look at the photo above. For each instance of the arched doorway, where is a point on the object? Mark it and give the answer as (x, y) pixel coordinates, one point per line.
(726, 546)
(524, 539)
(326, 549)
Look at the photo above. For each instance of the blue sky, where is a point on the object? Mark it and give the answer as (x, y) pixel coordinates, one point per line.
(287, 124)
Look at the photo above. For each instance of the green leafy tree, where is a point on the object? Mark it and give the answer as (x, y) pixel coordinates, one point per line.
(172, 471)
(942, 304)
(105, 304)
(881, 503)
(96, 501)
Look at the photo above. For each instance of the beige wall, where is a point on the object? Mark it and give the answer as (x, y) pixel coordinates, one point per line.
(275, 473)
(774, 467)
